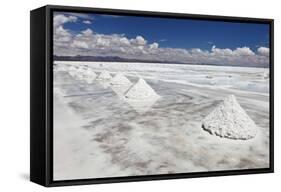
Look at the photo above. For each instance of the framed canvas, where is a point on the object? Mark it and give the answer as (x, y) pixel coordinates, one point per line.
(119, 95)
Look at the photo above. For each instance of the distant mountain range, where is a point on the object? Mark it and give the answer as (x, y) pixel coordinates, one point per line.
(107, 58)
(120, 59)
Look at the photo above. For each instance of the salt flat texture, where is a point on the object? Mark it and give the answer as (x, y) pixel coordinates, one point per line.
(68, 140)
(104, 75)
(141, 91)
(98, 134)
(229, 120)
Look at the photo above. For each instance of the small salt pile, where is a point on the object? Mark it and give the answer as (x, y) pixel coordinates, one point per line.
(89, 75)
(265, 75)
(120, 79)
(141, 91)
(72, 68)
(80, 72)
(229, 120)
(72, 71)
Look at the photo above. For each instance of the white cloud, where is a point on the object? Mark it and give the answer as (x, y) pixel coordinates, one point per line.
(125, 41)
(80, 15)
(111, 16)
(61, 19)
(88, 22)
(87, 42)
(139, 40)
(196, 51)
(221, 52)
(79, 44)
(153, 46)
(243, 51)
(264, 51)
(87, 32)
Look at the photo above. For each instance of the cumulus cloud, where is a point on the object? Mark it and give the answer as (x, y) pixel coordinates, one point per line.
(263, 51)
(243, 51)
(87, 33)
(87, 22)
(153, 46)
(139, 40)
(87, 42)
(79, 44)
(62, 37)
(61, 19)
(83, 16)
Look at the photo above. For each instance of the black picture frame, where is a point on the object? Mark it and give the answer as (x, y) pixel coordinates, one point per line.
(41, 96)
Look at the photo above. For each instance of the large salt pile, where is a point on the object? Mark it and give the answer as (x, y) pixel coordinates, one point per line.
(105, 75)
(120, 79)
(141, 91)
(229, 120)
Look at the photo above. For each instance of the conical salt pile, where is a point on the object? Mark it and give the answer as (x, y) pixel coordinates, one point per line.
(265, 75)
(89, 75)
(104, 76)
(72, 68)
(120, 79)
(229, 120)
(72, 71)
(140, 91)
(79, 73)
(81, 69)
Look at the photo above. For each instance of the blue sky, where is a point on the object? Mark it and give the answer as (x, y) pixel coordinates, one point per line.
(178, 40)
(180, 33)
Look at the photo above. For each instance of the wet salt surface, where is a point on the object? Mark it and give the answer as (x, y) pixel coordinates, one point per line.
(105, 136)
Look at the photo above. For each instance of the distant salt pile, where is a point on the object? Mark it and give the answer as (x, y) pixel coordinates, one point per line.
(229, 120)
(105, 75)
(72, 68)
(89, 75)
(120, 79)
(81, 69)
(72, 71)
(141, 91)
(120, 84)
(79, 73)
(265, 75)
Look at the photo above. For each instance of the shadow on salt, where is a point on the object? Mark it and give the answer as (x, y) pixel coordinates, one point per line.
(141, 106)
